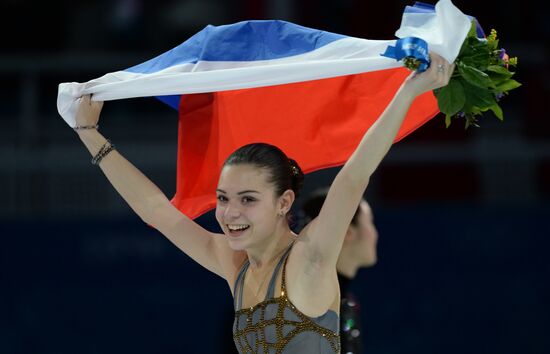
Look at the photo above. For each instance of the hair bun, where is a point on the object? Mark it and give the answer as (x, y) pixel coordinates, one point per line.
(297, 176)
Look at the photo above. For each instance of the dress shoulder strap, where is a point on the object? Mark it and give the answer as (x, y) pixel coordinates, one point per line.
(283, 277)
(239, 285)
(271, 288)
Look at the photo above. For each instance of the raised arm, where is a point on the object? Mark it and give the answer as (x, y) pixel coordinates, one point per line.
(147, 200)
(324, 236)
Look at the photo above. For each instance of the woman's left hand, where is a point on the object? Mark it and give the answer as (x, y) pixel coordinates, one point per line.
(438, 75)
(88, 111)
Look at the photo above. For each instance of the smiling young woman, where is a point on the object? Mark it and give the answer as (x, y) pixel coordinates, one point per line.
(256, 189)
(296, 311)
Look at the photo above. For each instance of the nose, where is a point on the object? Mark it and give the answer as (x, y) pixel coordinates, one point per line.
(231, 212)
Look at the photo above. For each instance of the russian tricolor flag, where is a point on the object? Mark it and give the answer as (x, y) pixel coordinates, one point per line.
(310, 92)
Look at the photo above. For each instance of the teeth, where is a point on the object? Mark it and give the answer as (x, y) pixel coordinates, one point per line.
(237, 227)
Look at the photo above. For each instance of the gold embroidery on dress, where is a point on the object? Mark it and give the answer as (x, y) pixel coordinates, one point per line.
(279, 321)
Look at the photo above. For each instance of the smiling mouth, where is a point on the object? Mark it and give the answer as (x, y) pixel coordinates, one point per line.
(237, 229)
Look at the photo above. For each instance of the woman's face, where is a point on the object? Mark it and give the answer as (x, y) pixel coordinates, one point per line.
(247, 206)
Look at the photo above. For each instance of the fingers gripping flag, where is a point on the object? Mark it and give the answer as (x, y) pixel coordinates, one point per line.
(310, 92)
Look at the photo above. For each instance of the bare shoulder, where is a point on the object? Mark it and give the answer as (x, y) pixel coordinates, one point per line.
(231, 261)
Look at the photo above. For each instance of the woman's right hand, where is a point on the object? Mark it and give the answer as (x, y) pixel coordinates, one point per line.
(438, 75)
(88, 111)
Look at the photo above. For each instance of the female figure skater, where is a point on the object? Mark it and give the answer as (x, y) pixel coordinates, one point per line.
(285, 285)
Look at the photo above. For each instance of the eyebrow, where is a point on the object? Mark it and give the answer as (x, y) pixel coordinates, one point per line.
(240, 193)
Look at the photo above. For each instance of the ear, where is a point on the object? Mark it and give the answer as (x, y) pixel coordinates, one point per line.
(286, 200)
(351, 234)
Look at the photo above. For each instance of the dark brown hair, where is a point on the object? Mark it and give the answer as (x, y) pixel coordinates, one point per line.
(284, 173)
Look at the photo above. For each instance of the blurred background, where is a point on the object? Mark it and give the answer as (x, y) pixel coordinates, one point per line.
(463, 216)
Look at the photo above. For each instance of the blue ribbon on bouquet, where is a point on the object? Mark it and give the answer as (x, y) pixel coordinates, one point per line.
(410, 47)
(415, 47)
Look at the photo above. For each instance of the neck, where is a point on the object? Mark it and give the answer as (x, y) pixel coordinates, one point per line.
(272, 249)
(346, 265)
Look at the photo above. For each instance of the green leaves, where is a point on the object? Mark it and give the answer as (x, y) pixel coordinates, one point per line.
(475, 76)
(497, 111)
(498, 74)
(480, 80)
(451, 98)
(476, 98)
(508, 85)
(475, 48)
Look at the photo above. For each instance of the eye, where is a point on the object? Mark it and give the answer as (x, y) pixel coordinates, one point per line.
(247, 200)
(222, 198)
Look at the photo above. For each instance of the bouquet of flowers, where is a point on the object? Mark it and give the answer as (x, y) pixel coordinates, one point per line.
(481, 78)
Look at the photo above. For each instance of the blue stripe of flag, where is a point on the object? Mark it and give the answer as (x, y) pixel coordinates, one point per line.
(243, 41)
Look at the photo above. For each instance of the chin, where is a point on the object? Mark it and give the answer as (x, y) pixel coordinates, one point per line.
(236, 245)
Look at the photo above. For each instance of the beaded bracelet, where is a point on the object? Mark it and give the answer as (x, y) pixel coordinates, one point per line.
(83, 127)
(104, 151)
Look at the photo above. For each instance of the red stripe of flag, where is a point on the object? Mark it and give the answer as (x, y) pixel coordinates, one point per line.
(318, 123)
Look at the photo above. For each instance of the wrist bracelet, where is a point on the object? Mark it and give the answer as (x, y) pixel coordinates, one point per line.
(84, 127)
(104, 151)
